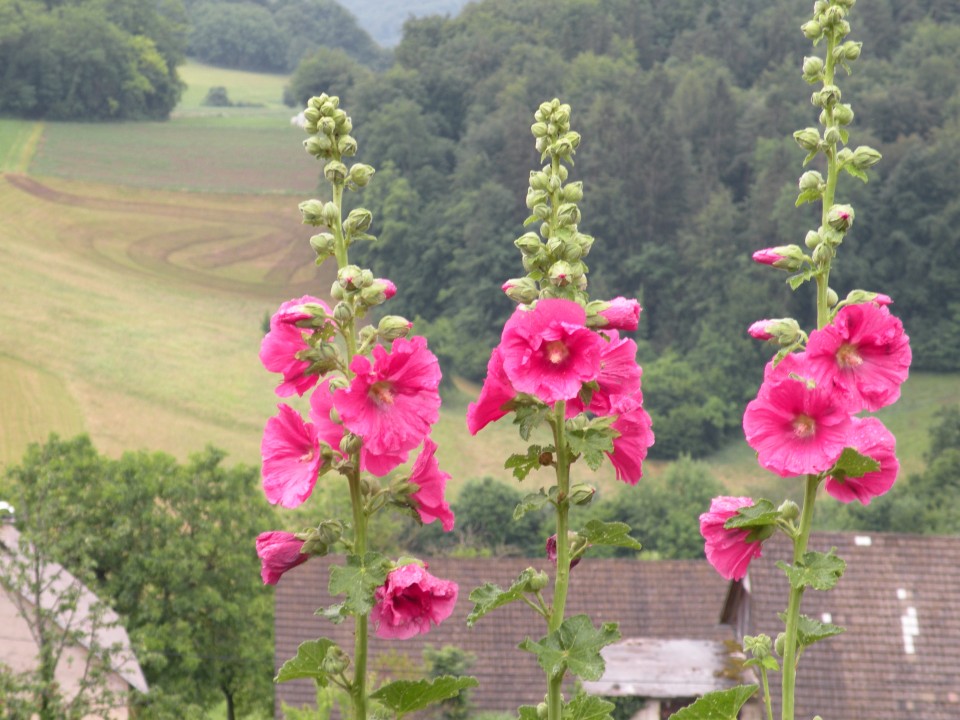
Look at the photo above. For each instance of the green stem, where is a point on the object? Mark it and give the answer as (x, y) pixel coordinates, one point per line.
(829, 193)
(554, 701)
(767, 702)
(796, 595)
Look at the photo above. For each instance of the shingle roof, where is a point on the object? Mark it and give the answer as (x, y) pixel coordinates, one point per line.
(900, 603)
(662, 599)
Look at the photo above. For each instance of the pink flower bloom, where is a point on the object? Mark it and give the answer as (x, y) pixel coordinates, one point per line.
(548, 351)
(622, 314)
(864, 352)
(279, 348)
(291, 458)
(431, 482)
(619, 372)
(278, 552)
(410, 600)
(870, 438)
(882, 300)
(494, 396)
(636, 437)
(796, 429)
(331, 433)
(393, 401)
(729, 551)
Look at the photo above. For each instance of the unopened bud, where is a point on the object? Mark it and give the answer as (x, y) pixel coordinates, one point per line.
(812, 239)
(538, 582)
(789, 510)
(360, 174)
(832, 297)
(808, 138)
(780, 643)
(843, 114)
(784, 257)
(823, 254)
(858, 297)
(536, 197)
(538, 180)
(317, 145)
(865, 157)
(582, 493)
(585, 242)
(521, 290)
(378, 292)
(811, 180)
(350, 443)
(561, 273)
(832, 135)
(347, 146)
(573, 192)
(528, 243)
(338, 383)
(850, 50)
(539, 129)
(350, 277)
(811, 30)
(812, 68)
(324, 245)
(342, 313)
(331, 214)
(840, 217)
(543, 711)
(326, 126)
(358, 221)
(392, 327)
(783, 331)
(335, 661)
(568, 214)
(312, 212)
(335, 171)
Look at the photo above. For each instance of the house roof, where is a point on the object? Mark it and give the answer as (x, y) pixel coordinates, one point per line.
(109, 631)
(662, 599)
(899, 601)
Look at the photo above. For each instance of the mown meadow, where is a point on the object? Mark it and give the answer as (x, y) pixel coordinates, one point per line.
(140, 259)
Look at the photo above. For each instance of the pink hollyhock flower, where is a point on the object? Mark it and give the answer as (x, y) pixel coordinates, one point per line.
(870, 438)
(331, 433)
(619, 372)
(392, 402)
(796, 429)
(864, 353)
(278, 552)
(291, 458)
(729, 551)
(548, 351)
(636, 437)
(760, 330)
(622, 314)
(410, 600)
(784, 257)
(494, 396)
(279, 348)
(431, 482)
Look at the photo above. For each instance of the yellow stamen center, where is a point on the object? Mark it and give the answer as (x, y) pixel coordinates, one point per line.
(557, 352)
(382, 392)
(848, 357)
(804, 426)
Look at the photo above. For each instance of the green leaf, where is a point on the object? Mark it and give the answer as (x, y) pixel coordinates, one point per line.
(852, 464)
(531, 219)
(529, 418)
(769, 662)
(718, 705)
(358, 580)
(489, 596)
(528, 712)
(523, 465)
(808, 196)
(759, 515)
(533, 501)
(407, 696)
(821, 571)
(308, 663)
(574, 646)
(334, 613)
(587, 707)
(592, 441)
(614, 534)
(810, 156)
(855, 171)
(795, 281)
(810, 631)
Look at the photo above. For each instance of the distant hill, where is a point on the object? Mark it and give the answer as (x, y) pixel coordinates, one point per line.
(384, 19)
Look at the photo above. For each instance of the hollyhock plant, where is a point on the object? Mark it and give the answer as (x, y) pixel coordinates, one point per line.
(635, 437)
(278, 552)
(864, 352)
(431, 483)
(291, 458)
(495, 395)
(280, 346)
(870, 438)
(411, 601)
(549, 352)
(392, 402)
(728, 550)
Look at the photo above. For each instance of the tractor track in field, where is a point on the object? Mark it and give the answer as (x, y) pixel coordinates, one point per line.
(279, 240)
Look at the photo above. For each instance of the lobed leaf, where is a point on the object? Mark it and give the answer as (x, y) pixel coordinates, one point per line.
(614, 534)
(407, 696)
(358, 580)
(574, 646)
(818, 570)
(718, 705)
(308, 662)
(489, 597)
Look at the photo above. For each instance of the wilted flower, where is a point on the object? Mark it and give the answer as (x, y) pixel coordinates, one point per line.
(729, 551)
(410, 600)
(278, 552)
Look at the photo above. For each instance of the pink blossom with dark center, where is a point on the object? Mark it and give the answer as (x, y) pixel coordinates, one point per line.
(869, 437)
(291, 458)
(549, 352)
(729, 551)
(278, 552)
(496, 393)
(636, 436)
(622, 314)
(279, 347)
(392, 402)
(796, 429)
(410, 600)
(864, 353)
(431, 483)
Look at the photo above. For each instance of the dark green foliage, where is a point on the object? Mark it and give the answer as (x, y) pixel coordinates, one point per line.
(90, 60)
(450, 660)
(237, 35)
(217, 97)
(328, 71)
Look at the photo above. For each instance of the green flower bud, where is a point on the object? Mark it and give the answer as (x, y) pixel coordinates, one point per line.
(811, 30)
(327, 126)
(543, 711)
(788, 510)
(858, 297)
(812, 69)
(759, 646)
(561, 273)
(780, 643)
(347, 146)
(335, 171)
(360, 174)
(376, 293)
(312, 212)
(538, 582)
(536, 197)
(812, 239)
(324, 245)
(850, 50)
(828, 97)
(336, 291)
(338, 383)
(843, 114)
(585, 242)
(808, 138)
(392, 327)
(832, 135)
(840, 217)
(554, 246)
(847, 4)
(544, 111)
(344, 123)
(350, 277)
(563, 173)
(823, 254)
(342, 313)
(331, 214)
(358, 220)
(317, 100)
(865, 157)
(528, 243)
(570, 251)
(521, 290)
(811, 180)
(311, 115)
(317, 145)
(573, 192)
(335, 661)
(582, 493)
(553, 183)
(350, 443)
(539, 129)
(538, 180)
(568, 214)
(820, 7)
(832, 297)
